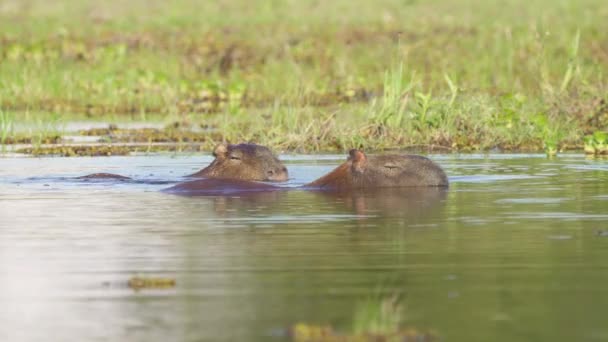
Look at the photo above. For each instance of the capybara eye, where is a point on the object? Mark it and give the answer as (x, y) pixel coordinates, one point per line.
(235, 158)
(391, 166)
(270, 172)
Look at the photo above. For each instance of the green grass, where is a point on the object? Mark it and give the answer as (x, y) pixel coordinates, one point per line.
(312, 76)
(6, 128)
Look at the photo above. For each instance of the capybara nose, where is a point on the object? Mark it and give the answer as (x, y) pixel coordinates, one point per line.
(278, 175)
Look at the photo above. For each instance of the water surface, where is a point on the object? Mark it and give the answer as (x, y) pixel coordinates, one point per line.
(515, 250)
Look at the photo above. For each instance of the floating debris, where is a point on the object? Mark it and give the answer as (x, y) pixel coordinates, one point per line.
(139, 283)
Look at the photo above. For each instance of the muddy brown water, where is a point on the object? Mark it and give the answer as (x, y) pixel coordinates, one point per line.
(517, 249)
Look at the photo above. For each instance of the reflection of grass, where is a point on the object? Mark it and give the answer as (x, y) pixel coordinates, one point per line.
(378, 316)
(376, 319)
(384, 74)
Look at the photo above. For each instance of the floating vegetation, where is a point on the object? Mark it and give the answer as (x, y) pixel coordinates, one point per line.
(112, 150)
(99, 131)
(177, 132)
(140, 283)
(25, 139)
(176, 137)
(76, 151)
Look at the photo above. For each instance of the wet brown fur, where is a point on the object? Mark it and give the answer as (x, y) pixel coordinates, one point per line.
(244, 162)
(219, 186)
(363, 172)
(104, 176)
(359, 172)
(335, 178)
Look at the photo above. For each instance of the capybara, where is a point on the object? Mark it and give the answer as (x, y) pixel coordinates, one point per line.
(381, 171)
(220, 186)
(359, 172)
(244, 162)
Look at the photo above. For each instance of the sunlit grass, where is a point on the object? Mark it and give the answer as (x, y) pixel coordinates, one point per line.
(472, 75)
(6, 128)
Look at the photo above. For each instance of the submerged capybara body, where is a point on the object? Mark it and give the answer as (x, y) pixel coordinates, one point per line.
(244, 162)
(382, 171)
(359, 172)
(104, 176)
(220, 186)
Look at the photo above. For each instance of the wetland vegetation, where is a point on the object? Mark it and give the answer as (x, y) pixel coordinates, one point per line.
(309, 76)
(513, 251)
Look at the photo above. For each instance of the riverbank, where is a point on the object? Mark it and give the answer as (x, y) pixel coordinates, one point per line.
(312, 77)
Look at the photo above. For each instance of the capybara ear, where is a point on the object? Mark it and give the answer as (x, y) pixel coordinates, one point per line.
(220, 151)
(358, 158)
(356, 155)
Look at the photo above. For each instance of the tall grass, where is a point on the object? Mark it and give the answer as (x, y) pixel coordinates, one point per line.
(6, 127)
(389, 110)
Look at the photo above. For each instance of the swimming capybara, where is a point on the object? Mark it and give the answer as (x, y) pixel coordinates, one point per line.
(359, 172)
(381, 171)
(220, 186)
(244, 162)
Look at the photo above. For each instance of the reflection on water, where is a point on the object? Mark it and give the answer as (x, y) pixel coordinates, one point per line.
(515, 250)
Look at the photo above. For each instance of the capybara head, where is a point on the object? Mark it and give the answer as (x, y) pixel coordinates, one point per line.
(367, 172)
(245, 162)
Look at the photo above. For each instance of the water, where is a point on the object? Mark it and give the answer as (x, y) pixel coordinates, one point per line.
(515, 250)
